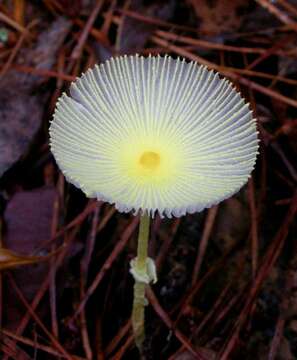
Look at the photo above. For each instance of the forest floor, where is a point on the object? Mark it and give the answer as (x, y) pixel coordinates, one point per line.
(227, 277)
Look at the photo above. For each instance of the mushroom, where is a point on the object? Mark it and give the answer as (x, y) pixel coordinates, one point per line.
(153, 135)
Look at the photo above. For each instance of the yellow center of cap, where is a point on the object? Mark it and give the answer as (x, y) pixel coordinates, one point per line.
(149, 160)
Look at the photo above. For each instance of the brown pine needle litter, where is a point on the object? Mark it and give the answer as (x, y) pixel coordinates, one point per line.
(156, 130)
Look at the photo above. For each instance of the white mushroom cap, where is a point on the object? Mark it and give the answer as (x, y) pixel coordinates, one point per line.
(154, 134)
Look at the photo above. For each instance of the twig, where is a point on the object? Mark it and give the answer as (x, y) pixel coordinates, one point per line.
(152, 20)
(111, 211)
(212, 313)
(35, 344)
(254, 226)
(19, 11)
(271, 51)
(291, 169)
(209, 222)
(99, 35)
(229, 307)
(119, 354)
(270, 140)
(7, 347)
(108, 18)
(288, 6)
(207, 44)
(42, 72)
(259, 74)
(55, 342)
(167, 321)
(42, 290)
(52, 285)
(108, 263)
(166, 243)
(84, 34)
(83, 280)
(279, 329)
(76, 221)
(16, 49)
(100, 355)
(262, 89)
(12, 23)
(217, 317)
(13, 54)
(90, 243)
(283, 202)
(282, 16)
(119, 336)
(199, 284)
(271, 256)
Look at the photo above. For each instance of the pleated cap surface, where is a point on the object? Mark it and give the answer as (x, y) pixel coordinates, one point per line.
(154, 134)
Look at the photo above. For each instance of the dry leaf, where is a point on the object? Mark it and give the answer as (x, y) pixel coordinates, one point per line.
(22, 105)
(10, 259)
(218, 16)
(134, 33)
(28, 219)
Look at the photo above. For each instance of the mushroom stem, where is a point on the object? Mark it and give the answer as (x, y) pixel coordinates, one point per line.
(144, 271)
(139, 303)
(142, 245)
